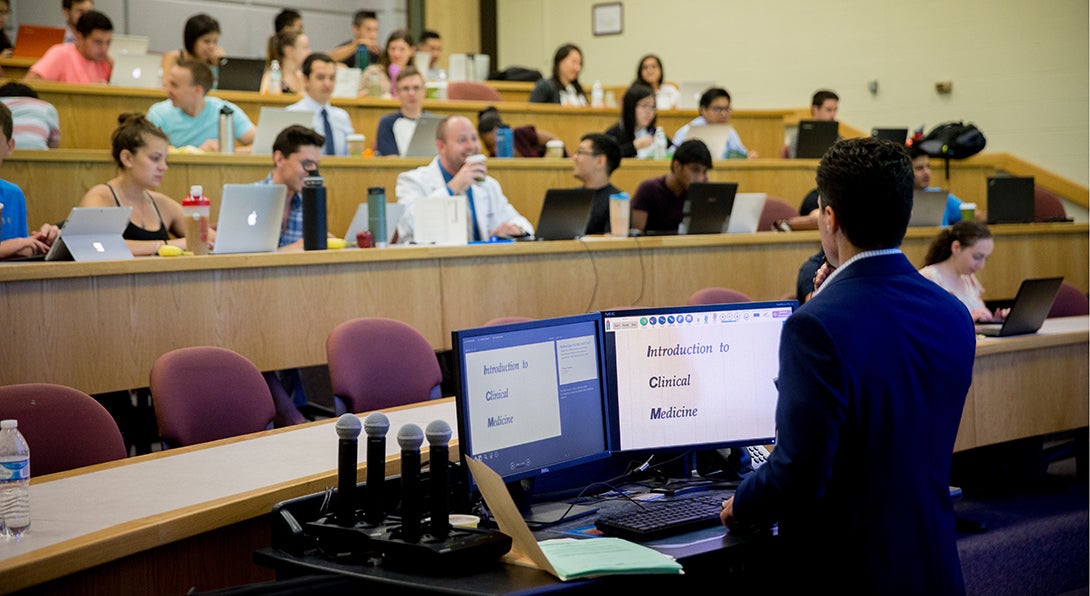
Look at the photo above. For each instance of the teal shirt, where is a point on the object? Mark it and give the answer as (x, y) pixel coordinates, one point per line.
(185, 130)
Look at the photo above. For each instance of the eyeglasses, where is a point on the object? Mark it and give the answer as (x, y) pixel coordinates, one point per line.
(721, 109)
(647, 107)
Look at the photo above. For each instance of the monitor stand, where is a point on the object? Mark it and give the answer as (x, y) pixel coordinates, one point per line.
(544, 514)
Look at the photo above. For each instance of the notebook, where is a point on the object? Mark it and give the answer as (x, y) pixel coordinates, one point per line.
(709, 205)
(92, 234)
(896, 135)
(273, 120)
(347, 83)
(1029, 311)
(564, 213)
(422, 143)
(360, 222)
(714, 136)
(31, 41)
(137, 70)
(745, 214)
(928, 207)
(240, 74)
(1010, 199)
(441, 220)
(250, 218)
(132, 45)
(815, 138)
(690, 92)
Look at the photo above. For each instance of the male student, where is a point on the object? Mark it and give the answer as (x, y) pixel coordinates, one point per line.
(395, 131)
(364, 35)
(823, 106)
(191, 118)
(449, 174)
(592, 164)
(295, 152)
(715, 108)
(16, 240)
(87, 60)
(658, 204)
(319, 76)
(430, 44)
(874, 370)
(921, 170)
(73, 10)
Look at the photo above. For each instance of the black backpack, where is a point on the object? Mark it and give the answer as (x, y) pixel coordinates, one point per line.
(952, 140)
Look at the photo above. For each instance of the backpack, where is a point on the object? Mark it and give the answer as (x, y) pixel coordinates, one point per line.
(952, 140)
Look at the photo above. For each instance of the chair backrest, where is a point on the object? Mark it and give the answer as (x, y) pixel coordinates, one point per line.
(1047, 206)
(472, 90)
(717, 296)
(64, 427)
(377, 363)
(507, 320)
(1070, 302)
(775, 208)
(206, 393)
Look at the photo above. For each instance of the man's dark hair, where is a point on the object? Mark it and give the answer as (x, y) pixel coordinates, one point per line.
(712, 94)
(408, 71)
(293, 137)
(201, 73)
(196, 27)
(603, 144)
(868, 183)
(488, 120)
(363, 15)
(67, 4)
(914, 152)
(284, 18)
(6, 123)
(92, 20)
(315, 57)
(427, 34)
(821, 96)
(693, 151)
(17, 89)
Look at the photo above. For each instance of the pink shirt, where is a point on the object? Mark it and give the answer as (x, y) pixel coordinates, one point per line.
(63, 63)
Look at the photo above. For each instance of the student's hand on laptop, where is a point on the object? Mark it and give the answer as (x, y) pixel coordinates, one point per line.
(47, 234)
(24, 247)
(983, 315)
(509, 229)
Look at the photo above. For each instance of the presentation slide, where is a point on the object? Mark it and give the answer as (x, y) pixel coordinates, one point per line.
(578, 361)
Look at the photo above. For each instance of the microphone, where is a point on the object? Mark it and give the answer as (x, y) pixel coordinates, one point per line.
(438, 433)
(348, 428)
(409, 438)
(375, 424)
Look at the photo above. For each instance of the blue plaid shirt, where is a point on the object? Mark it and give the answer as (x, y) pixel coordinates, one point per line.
(292, 228)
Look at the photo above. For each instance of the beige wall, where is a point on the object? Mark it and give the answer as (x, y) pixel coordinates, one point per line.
(1019, 69)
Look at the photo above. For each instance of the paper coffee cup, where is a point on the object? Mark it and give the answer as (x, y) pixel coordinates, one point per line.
(477, 158)
(356, 144)
(619, 214)
(554, 148)
(968, 211)
(461, 520)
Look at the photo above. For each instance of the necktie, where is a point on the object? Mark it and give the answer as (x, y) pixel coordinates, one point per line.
(328, 148)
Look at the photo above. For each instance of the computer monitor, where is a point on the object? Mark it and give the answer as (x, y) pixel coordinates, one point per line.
(530, 400)
(693, 377)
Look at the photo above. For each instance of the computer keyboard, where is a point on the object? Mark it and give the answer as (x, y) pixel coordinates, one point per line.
(658, 519)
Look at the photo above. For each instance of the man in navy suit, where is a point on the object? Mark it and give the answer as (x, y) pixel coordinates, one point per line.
(874, 371)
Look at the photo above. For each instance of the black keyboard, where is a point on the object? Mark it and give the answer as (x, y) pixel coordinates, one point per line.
(659, 519)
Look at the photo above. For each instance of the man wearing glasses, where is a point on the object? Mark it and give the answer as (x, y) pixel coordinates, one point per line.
(715, 108)
(592, 164)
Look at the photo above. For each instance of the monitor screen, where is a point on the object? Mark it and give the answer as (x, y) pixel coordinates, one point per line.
(530, 396)
(693, 376)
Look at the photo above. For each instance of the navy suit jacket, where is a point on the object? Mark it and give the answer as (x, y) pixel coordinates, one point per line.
(874, 371)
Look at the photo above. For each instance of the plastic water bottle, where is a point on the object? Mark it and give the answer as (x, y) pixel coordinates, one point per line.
(14, 480)
(314, 212)
(658, 150)
(276, 78)
(196, 211)
(363, 56)
(505, 142)
(441, 86)
(597, 99)
(373, 85)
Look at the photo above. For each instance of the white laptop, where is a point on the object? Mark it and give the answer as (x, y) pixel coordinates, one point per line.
(690, 92)
(714, 136)
(928, 207)
(137, 70)
(273, 120)
(440, 220)
(347, 83)
(132, 45)
(250, 218)
(745, 214)
(423, 142)
(361, 222)
(92, 234)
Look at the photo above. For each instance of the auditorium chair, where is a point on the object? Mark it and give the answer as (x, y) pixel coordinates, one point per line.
(717, 296)
(377, 363)
(775, 209)
(472, 90)
(205, 393)
(1070, 302)
(1047, 206)
(64, 427)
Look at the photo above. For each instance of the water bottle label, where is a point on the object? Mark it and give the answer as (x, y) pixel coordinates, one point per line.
(15, 470)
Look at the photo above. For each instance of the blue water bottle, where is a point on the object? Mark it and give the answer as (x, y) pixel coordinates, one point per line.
(363, 57)
(505, 142)
(376, 214)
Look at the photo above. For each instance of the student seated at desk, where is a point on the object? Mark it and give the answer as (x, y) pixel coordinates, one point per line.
(659, 203)
(377, 79)
(189, 117)
(953, 259)
(528, 141)
(200, 42)
(650, 73)
(85, 61)
(635, 132)
(16, 240)
(395, 131)
(289, 48)
(563, 88)
(296, 152)
(37, 124)
(715, 108)
(140, 151)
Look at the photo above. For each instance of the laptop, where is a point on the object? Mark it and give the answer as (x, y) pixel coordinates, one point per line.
(250, 218)
(347, 83)
(92, 234)
(714, 136)
(137, 70)
(273, 120)
(564, 214)
(32, 41)
(422, 143)
(815, 138)
(240, 74)
(709, 205)
(1029, 311)
(928, 207)
(131, 45)
(895, 135)
(690, 92)
(360, 222)
(745, 214)
(1010, 199)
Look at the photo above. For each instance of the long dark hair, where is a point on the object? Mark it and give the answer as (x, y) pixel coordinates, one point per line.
(196, 27)
(967, 233)
(639, 71)
(632, 96)
(562, 53)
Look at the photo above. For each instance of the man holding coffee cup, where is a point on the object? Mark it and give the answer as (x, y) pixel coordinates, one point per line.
(460, 169)
(319, 76)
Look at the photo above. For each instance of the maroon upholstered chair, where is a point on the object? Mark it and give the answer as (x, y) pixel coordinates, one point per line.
(1070, 302)
(717, 296)
(377, 363)
(1047, 206)
(472, 90)
(64, 427)
(507, 320)
(775, 209)
(206, 393)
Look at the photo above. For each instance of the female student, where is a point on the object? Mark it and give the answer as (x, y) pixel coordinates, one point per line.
(635, 132)
(290, 48)
(563, 88)
(953, 260)
(201, 38)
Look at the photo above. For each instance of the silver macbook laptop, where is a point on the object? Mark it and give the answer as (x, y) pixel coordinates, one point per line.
(423, 141)
(745, 214)
(360, 222)
(928, 207)
(714, 136)
(273, 120)
(137, 70)
(92, 234)
(131, 45)
(250, 218)
(347, 83)
(690, 92)
(1029, 311)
